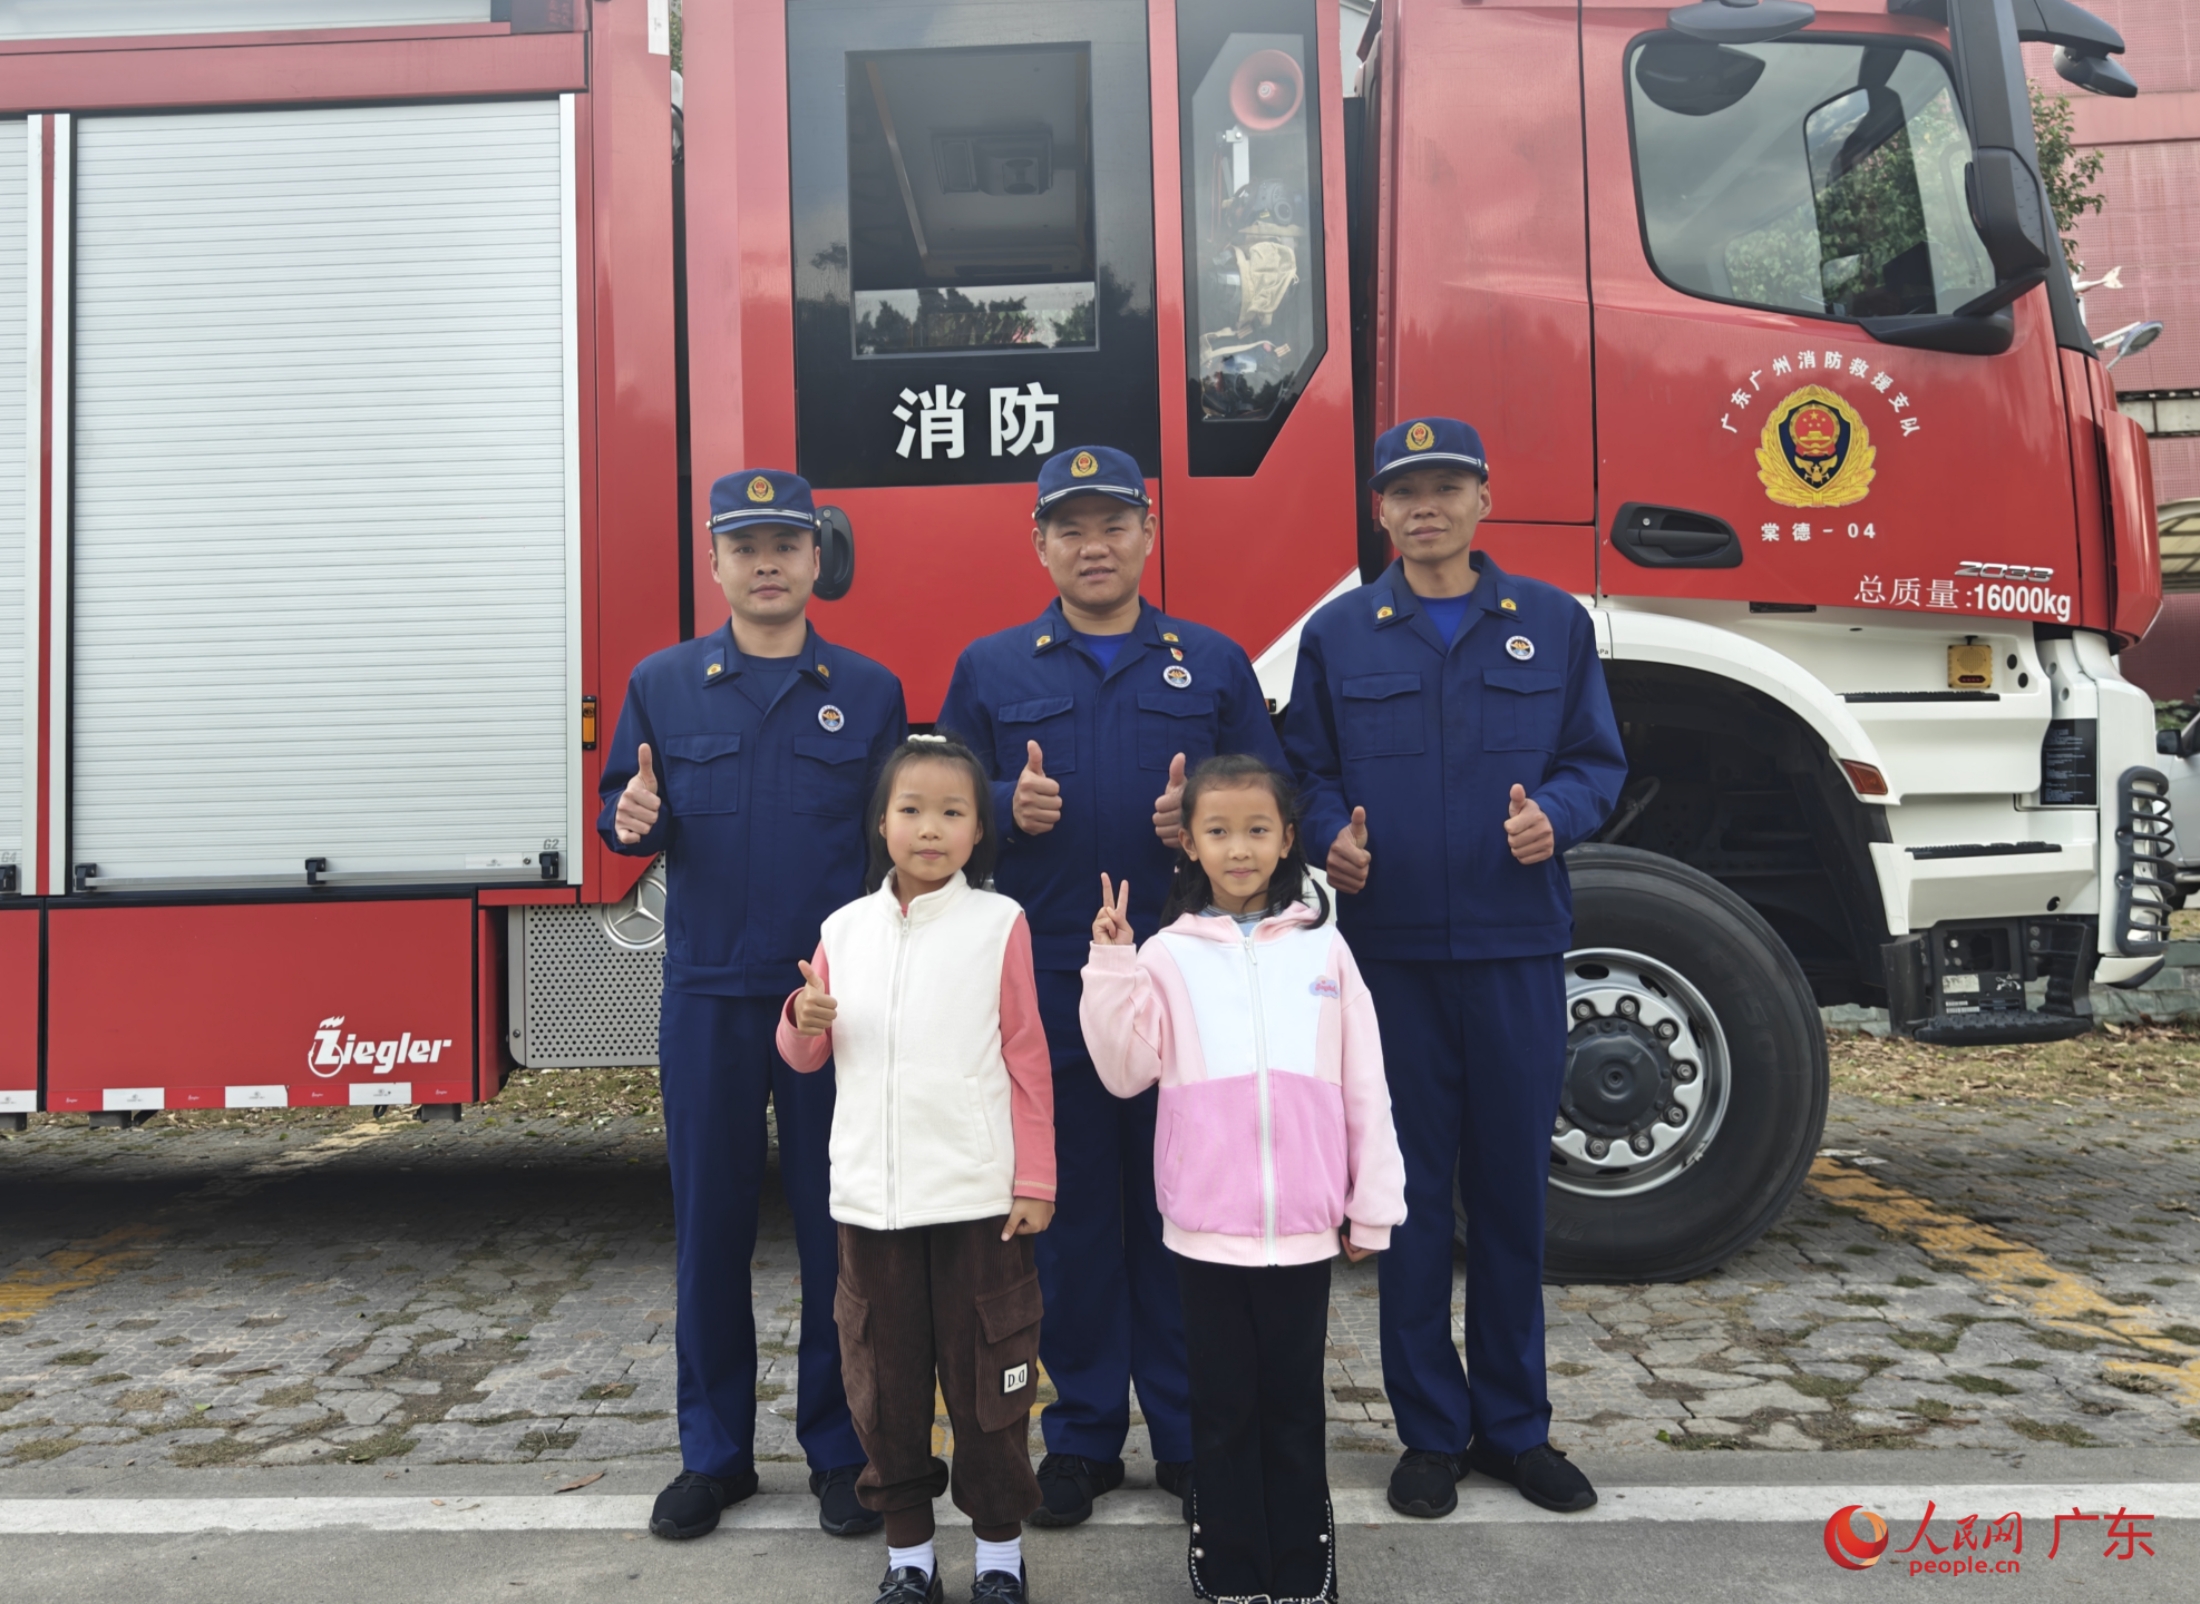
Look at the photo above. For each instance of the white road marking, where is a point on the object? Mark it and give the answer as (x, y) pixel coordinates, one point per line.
(1357, 1506)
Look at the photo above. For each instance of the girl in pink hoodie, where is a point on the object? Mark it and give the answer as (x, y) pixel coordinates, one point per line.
(1274, 1149)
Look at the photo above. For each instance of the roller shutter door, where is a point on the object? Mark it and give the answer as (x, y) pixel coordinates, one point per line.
(325, 523)
(18, 531)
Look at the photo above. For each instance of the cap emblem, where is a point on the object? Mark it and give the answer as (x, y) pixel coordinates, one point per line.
(1177, 675)
(830, 718)
(1815, 451)
(1420, 437)
(1084, 465)
(760, 489)
(1520, 647)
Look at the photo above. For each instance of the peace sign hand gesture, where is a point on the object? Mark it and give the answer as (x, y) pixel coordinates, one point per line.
(1112, 927)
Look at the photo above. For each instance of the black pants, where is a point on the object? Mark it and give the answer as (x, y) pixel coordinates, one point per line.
(1260, 1487)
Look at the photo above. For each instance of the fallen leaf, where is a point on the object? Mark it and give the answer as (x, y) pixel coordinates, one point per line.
(576, 1486)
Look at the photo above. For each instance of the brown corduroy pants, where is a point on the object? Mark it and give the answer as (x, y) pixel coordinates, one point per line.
(957, 1303)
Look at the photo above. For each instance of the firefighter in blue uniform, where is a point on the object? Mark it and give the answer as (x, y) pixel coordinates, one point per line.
(746, 757)
(1453, 737)
(1088, 717)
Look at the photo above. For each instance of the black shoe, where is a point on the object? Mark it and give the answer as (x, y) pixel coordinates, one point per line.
(910, 1585)
(1175, 1476)
(1425, 1484)
(691, 1505)
(839, 1511)
(998, 1587)
(1068, 1483)
(1542, 1475)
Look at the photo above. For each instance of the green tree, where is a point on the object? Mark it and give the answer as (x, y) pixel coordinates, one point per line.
(2069, 175)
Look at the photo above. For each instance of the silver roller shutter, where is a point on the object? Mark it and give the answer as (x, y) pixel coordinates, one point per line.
(18, 529)
(325, 523)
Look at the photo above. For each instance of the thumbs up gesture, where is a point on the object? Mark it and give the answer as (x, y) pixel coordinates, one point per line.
(638, 803)
(1168, 807)
(1348, 855)
(1529, 828)
(1037, 805)
(814, 1007)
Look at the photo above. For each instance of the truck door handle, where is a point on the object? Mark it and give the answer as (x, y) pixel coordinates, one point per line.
(1671, 537)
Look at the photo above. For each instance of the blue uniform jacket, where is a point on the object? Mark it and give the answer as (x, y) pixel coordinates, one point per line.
(762, 826)
(1108, 740)
(1431, 740)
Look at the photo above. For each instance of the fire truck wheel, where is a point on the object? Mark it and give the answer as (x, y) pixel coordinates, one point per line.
(1696, 1077)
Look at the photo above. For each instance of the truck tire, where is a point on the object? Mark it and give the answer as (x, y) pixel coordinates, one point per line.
(1696, 1079)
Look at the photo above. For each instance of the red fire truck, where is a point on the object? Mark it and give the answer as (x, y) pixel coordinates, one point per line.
(404, 357)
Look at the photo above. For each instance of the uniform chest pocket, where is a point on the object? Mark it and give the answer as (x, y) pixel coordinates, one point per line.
(703, 773)
(828, 775)
(1170, 722)
(1049, 720)
(1381, 715)
(1521, 709)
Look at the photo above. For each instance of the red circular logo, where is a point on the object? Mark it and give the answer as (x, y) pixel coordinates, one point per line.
(1849, 1548)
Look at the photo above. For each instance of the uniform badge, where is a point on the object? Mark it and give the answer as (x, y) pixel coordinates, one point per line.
(1177, 652)
(1815, 451)
(1509, 605)
(1520, 647)
(830, 718)
(1383, 612)
(1178, 675)
(760, 489)
(1084, 465)
(1015, 1378)
(1044, 640)
(1420, 437)
(824, 671)
(1169, 635)
(714, 669)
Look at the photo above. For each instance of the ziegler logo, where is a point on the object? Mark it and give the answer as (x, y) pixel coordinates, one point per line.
(2037, 576)
(333, 1050)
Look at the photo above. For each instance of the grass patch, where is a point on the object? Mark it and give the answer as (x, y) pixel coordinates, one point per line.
(289, 1397)
(1926, 1341)
(143, 1400)
(2020, 1364)
(2188, 1335)
(8, 1400)
(218, 1451)
(1861, 1247)
(1938, 1410)
(1991, 1384)
(548, 1442)
(2034, 1281)
(2062, 1431)
(77, 1356)
(2061, 1341)
(2135, 1381)
(41, 1448)
(1822, 1386)
(1863, 1300)
(1560, 1367)
(109, 1378)
(1693, 1443)
(2145, 1064)
(625, 1389)
(386, 1444)
(1911, 1282)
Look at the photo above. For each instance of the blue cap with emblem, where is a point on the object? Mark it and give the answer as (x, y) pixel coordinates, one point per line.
(1090, 470)
(761, 496)
(1427, 443)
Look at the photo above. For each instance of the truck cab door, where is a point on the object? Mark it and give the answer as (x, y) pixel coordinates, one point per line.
(1756, 211)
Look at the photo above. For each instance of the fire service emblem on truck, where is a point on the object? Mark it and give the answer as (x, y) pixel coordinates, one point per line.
(1815, 451)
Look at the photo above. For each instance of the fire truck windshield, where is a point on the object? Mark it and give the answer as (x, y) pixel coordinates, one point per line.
(1812, 176)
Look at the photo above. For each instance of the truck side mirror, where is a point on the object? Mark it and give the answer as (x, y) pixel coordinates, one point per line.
(836, 555)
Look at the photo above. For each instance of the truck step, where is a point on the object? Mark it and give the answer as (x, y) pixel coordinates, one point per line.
(1991, 1029)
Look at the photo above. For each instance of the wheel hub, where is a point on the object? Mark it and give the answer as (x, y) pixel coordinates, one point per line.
(1618, 1078)
(1646, 1075)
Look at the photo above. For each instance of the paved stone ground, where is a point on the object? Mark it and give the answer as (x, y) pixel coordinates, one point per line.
(340, 1289)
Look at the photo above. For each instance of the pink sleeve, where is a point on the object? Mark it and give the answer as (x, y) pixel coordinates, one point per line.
(1030, 1068)
(1375, 1194)
(806, 1053)
(1125, 1023)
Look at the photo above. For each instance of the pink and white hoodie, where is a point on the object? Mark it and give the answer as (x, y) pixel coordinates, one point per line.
(1275, 1118)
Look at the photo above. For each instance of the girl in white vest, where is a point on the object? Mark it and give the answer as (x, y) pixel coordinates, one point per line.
(1274, 1148)
(921, 994)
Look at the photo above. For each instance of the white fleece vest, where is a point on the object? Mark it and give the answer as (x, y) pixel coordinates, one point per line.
(921, 1131)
